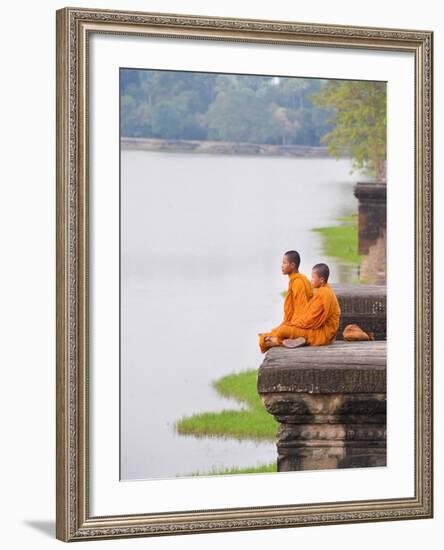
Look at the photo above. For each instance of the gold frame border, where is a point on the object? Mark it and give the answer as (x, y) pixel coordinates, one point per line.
(73, 26)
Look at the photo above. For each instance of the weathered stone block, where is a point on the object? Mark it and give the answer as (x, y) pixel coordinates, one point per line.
(372, 213)
(364, 305)
(330, 402)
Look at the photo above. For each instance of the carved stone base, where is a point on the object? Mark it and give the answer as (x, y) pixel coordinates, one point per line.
(330, 402)
(331, 445)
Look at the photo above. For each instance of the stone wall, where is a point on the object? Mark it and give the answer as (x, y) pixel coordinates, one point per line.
(372, 211)
(373, 269)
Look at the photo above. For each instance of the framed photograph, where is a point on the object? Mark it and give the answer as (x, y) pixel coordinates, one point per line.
(244, 274)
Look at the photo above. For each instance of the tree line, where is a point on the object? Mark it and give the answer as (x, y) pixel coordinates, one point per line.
(345, 115)
(205, 106)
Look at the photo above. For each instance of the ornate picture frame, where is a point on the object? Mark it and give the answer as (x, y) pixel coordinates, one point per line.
(74, 520)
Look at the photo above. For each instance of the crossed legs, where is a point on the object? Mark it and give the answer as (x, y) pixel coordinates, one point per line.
(286, 335)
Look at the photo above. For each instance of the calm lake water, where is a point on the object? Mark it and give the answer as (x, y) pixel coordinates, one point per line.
(202, 238)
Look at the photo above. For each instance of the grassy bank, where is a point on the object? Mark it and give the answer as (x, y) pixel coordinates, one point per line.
(252, 422)
(341, 241)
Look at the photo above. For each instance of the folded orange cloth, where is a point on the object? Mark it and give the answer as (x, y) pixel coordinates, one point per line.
(354, 333)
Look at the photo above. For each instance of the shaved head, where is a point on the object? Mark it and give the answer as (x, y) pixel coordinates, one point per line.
(322, 270)
(293, 258)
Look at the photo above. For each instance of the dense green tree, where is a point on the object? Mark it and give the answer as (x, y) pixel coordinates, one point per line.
(239, 115)
(360, 121)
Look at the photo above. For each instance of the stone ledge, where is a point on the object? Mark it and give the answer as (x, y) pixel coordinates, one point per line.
(330, 402)
(342, 367)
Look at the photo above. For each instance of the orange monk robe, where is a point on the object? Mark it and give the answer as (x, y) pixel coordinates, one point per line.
(298, 294)
(318, 323)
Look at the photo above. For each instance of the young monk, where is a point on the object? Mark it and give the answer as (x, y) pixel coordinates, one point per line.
(318, 323)
(298, 294)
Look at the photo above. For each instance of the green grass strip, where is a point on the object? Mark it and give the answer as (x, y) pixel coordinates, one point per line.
(252, 422)
(341, 241)
(263, 468)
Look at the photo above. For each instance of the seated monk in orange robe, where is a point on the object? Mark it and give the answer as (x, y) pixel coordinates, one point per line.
(298, 294)
(318, 323)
